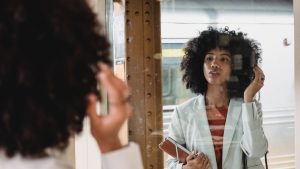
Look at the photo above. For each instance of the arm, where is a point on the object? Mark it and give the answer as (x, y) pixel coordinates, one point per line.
(126, 158)
(105, 129)
(254, 142)
(175, 132)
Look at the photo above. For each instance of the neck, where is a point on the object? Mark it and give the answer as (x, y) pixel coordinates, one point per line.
(216, 96)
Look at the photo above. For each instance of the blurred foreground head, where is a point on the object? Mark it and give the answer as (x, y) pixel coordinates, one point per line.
(46, 50)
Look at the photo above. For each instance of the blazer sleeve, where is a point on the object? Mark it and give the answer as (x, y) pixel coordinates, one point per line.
(128, 157)
(254, 142)
(175, 132)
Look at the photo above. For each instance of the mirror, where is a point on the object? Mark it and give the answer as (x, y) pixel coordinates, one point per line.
(271, 24)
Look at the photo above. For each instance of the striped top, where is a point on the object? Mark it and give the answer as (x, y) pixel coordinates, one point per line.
(216, 120)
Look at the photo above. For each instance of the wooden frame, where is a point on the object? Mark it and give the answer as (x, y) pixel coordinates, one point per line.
(143, 73)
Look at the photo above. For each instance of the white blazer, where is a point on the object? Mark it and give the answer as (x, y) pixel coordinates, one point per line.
(243, 133)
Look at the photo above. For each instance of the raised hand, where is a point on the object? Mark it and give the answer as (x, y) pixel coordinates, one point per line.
(255, 85)
(105, 129)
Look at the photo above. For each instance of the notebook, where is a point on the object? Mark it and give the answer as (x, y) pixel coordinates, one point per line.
(174, 149)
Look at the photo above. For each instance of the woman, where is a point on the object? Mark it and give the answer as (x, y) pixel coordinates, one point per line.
(223, 122)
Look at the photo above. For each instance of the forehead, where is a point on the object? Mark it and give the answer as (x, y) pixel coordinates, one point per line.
(219, 51)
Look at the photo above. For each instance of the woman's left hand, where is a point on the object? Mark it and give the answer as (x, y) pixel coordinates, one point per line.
(255, 85)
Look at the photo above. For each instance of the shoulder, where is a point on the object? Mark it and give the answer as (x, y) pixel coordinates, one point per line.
(19, 162)
(192, 104)
(236, 102)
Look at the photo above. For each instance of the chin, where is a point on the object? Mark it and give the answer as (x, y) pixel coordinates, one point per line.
(216, 82)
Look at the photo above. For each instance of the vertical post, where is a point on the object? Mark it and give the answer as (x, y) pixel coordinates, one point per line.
(143, 66)
(296, 5)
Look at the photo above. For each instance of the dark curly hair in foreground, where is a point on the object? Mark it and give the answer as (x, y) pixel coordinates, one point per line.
(236, 43)
(46, 50)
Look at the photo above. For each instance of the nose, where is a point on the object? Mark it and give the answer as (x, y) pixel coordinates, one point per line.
(214, 64)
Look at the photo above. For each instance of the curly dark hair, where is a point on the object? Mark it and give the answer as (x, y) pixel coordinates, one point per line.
(236, 43)
(47, 49)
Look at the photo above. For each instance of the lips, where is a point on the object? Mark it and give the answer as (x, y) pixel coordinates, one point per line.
(214, 73)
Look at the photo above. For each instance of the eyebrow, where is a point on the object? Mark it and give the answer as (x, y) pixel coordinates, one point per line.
(225, 54)
(222, 54)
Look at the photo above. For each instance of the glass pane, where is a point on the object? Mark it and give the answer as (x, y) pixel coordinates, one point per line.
(271, 24)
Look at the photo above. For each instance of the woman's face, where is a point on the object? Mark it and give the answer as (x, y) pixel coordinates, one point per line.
(217, 66)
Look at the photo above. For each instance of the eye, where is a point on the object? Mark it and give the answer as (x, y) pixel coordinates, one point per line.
(209, 58)
(225, 59)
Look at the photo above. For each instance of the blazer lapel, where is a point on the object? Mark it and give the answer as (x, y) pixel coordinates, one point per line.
(233, 116)
(202, 123)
